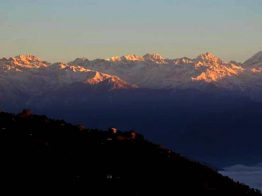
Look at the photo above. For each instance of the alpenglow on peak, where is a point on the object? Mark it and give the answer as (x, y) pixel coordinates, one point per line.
(27, 57)
(129, 57)
(147, 57)
(22, 61)
(154, 57)
(208, 57)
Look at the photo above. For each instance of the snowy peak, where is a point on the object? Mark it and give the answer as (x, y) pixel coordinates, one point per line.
(114, 59)
(97, 77)
(183, 61)
(207, 59)
(107, 81)
(209, 56)
(66, 67)
(214, 69)
(21, 62)
(80, 60)
(59, 65)
(215, 74)
(132, 57)
(29, 61)
(26, 58)
(69, 74)
(255, 60)
(157, 58)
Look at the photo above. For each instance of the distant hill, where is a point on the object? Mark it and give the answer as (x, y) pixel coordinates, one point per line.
(39, 152)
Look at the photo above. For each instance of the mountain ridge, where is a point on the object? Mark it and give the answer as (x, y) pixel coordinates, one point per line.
(132, 71)
(160, 72)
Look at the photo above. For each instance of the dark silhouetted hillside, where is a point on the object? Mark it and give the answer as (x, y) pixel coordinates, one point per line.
(37, 152)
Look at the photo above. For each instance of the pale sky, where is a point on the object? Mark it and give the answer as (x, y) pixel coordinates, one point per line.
(61, 30)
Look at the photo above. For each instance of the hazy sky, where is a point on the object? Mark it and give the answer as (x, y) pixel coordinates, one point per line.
(60, 30)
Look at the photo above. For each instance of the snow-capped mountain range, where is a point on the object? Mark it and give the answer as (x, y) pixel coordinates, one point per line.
(155, 71)
(28, 73)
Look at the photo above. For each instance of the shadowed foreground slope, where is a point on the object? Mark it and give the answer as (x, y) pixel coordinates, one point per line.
(43, 153)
